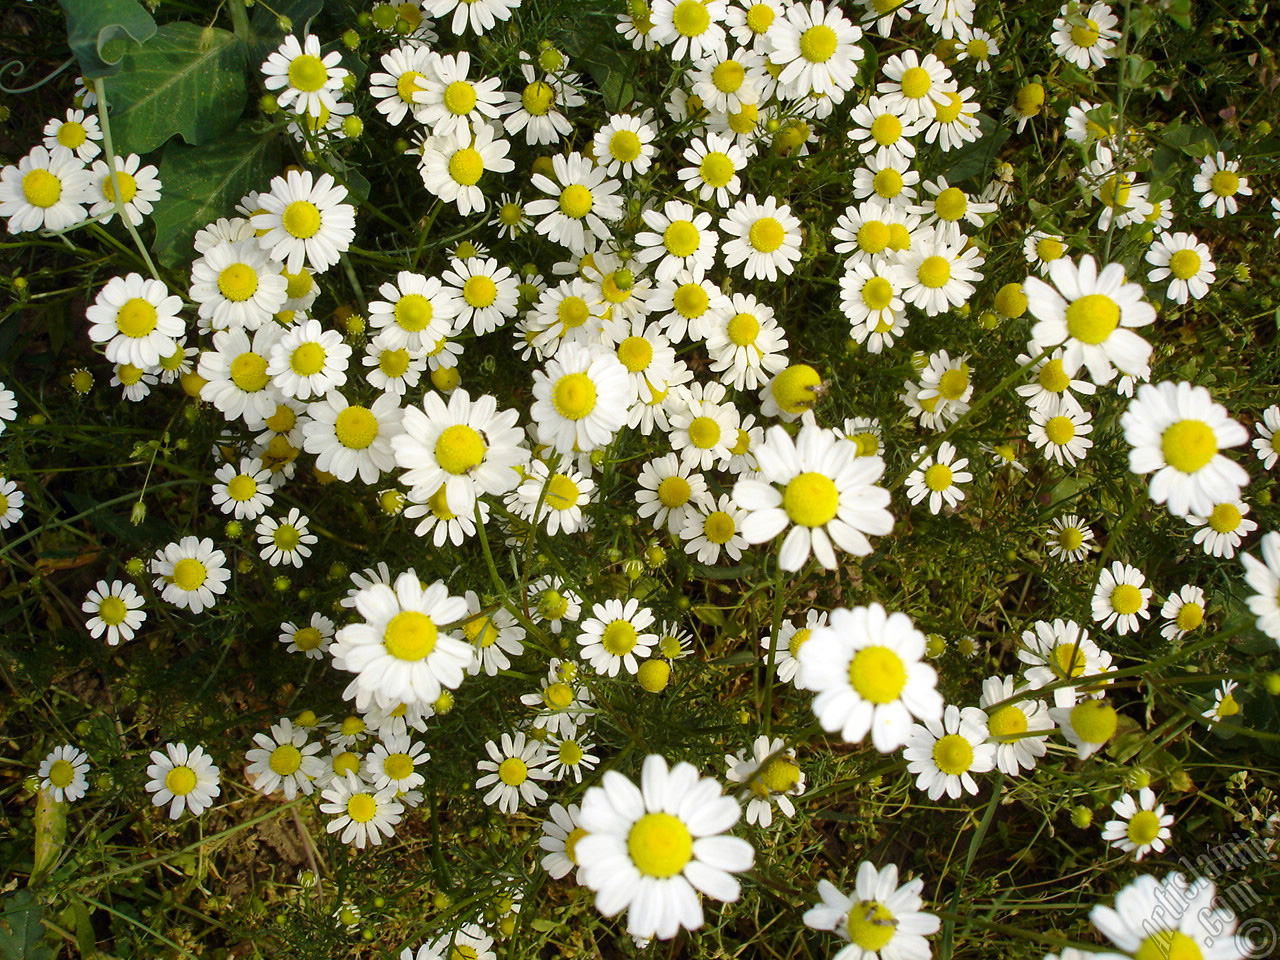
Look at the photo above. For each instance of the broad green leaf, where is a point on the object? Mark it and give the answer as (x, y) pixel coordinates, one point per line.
(187, 80)
(99, 32)
(20, 927)
(205, 182)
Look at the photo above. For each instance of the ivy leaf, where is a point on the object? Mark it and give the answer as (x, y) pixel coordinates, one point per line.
(203, 183)
(99, 32)
(187, 80)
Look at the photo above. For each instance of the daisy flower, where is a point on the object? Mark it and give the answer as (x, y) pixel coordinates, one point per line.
(485, 295)
(1164, 918)
(494, 634)
(1052, 388)
(553, 603)
(186, 779)
(1120, 598)
(395, 763)
(914, 84)
(1041, 249)
(44, 191)
(714, 526)
(285, 541)
(308, 83)
(750, 22)
(1223, 529)
(399, 652)
(137, 319)
(570, 754)
(8, 407)
(703, 425)
(679, 240)
(191, 573)
(139, 189)
(670, 492)
(1224, 702)
(692, 27)
(136, 381)
(513, 770)
(452, 106)
(416, 312)
(879, 129)
(817, 49)
(583, 201)
(559, 840)
(1093, 314)
(1265, 443)
(881, 921)
(1176, 431)
(1062, 650)
(406, 70)
(784, 648)
(1070, 539)
(1062, 435)
(555, 497)
(770, 777)
(535, 110)
(946, 204)
(822, 489)
(651, 849)
(64, 773)
(350, 438)
(1088, 726)
(866, 673)
(312, 640)
(1218, 183)
(510, 217)
(364, 814)
(1085, 36)
(1185, 259)
(1264, 577)
(471, 448)
(391, 370)
(479, 16)
(1142, 827)
(888, 178)
(469, 940)
(979, 49)
(941, 271)
(562, 701)
(446, 524)
(308, 361)
(873, 227)
(1124, 200)
(305, 220)
(284, 760)
(1183, 612)
(765, 236)
(236, 284)
(938, 476)
(945, 753)
(612, 636)
(1012, 728)
(453, 164)
(714, 162)
(117, 611)
(748, 346)
(581, 399)
(78, 133)
(624, 145)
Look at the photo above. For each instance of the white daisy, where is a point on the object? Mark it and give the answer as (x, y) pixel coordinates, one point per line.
(881, 921)
(64, 773)
(888, 178)
(1062, 435)
(308, 361)
(137, 319)
(1224, 702)
(714, 163)
(308, 82)
(350, 438)
(679, 239)
(1218, 183)
(1085, 36)
(396, 762)
(1185, 259)
(1142, 825)
(236, 284)
(190, 573)
(513, 770)
(468, 942)
(581, 399)
(817, 49)
(749, 347)
(1265, 443)
(284, 760)
(670, 492)
(764, 236)
(453, 106)
(139, 189)
(938, 476)
(1062, 651)
(624, 145)
(559, 840)
(1223, 529)
(1088, 726)
(941, 271)
(553, 603)
(1171, 917)
(693, 28)
(416, 312)
(285, 541)
(453, 164)
(485, 295)
(944, 754)
(554, 497)
(495, 635)
(364, 814)
(405, 72)
(615, 635)
(648, 849)
(305, 220)
(78, 133)
(713, 526)
(186, 779)
(44, 191)
(1052, 387)
(583, 202)
(1120, 598)
(117, 611)
(311, 640)
(1013, 727)
(913, 84)
(1264, 577)
(392, 370)
(1183, 612)
(770, 777)
(536, 109)
(478, 16)
(1070, 539)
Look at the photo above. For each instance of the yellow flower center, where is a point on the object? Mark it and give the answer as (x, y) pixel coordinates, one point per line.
(308, 73)
(394, 363)
(574, 396)
(886, 129)
(510, 214)
(1225, 518)
(558, 696)
(719, 527)
(576, 201)
(954, 382)
(887, 183)
(948, 112)
(1052, 377)
(459, 98)
(624, 146)
(1188, 445)
(728, 76)
(1190, 616)
(286, 537)
(871, 925)
(112, 611)
(690, 300)
(479, 291)
(41, 188)
(128, 187)
(285, 759)
(745, 120)
(571, 843)
(704, 433)
(681, 238)
(356, 427)
(573, 312)
(938, 477)
(1028, 101)
(481, 631)
(346, 762)
(619, 638)
(307, 638)
(466, 166)
(136, 318)
(1048, 249)
(635, 353)
(301, 219)
(811, 499)
(818, 43)
(180, 781)
(934, 272)
(538, 98)
(674, 492)
(410, 635)
(951, 204)
(794, 388)
(1184, 264)
(408, 85)
(1071, 539)
(1168, 945)
(1228, 707)
(238, 282)
(72, 134)
(691, 18)
(742, 329)
(760, 18)
(361, 807)
(1092, 318)
(1060, 430)
(1224, 183)
(766, 234)
(459, 449)
(1007, 722)
(189, 574)
(308, 359)
(717, 169)
(569, 753)
(242, 487)
(977, 48)
(873, 236)
(1085, 34)
(877, 674)
(398, 766)
(953, 754)
(61, 773)
(1068, 660)
(660, 845)
(298, 284)
(916, 82)
(283, 420)
(1126, 599)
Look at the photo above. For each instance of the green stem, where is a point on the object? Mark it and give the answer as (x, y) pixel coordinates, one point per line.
(105, 124)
